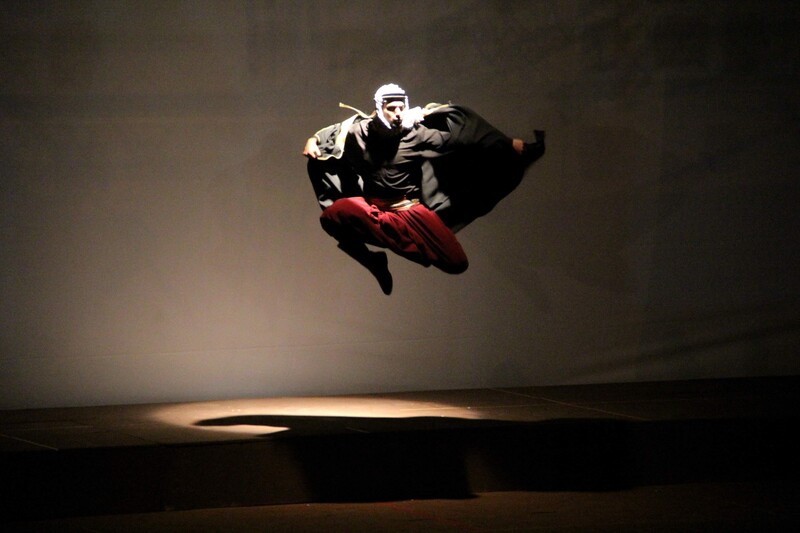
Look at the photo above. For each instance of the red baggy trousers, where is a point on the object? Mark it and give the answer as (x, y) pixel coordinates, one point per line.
(416, 233)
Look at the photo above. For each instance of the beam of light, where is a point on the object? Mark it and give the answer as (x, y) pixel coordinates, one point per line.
(245, 418)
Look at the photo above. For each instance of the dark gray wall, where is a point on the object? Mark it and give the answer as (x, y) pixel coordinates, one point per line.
(160, 239)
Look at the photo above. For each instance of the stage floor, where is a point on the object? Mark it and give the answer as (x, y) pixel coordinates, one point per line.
(704, 455)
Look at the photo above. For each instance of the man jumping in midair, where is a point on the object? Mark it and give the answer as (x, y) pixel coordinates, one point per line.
(406, 179)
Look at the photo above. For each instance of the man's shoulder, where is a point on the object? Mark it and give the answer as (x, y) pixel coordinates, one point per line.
(360, 123)
(359, 128)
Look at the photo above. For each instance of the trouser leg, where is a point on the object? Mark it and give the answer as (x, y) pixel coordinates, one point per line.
(423, 237)
(418, 234)
(343, 222)
(353, 220)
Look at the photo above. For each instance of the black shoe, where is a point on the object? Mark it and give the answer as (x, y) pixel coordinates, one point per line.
(376, 262)
(380, 269)
(533, 151)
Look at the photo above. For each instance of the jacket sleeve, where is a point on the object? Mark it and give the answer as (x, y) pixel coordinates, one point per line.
(330, 139)
(479, 169)
(330, 175)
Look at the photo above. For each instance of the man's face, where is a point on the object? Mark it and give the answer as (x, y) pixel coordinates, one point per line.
(393, 112)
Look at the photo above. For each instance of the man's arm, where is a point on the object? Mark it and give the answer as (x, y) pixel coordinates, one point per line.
(331, 176)
(329, 141)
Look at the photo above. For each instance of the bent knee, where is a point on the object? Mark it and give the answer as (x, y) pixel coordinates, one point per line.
(334, 213)
(344, 208)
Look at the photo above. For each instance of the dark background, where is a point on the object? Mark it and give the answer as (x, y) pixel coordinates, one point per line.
(160, 239)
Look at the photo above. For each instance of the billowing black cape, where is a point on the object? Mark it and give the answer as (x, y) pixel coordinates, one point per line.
(478, 166)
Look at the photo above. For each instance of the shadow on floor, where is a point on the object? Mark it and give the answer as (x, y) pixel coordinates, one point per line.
(368, 459)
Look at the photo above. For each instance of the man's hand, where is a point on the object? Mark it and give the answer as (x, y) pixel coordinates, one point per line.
(311, 149)
(412, 117)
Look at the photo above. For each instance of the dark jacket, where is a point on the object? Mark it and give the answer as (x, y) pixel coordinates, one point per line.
(476, 167)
